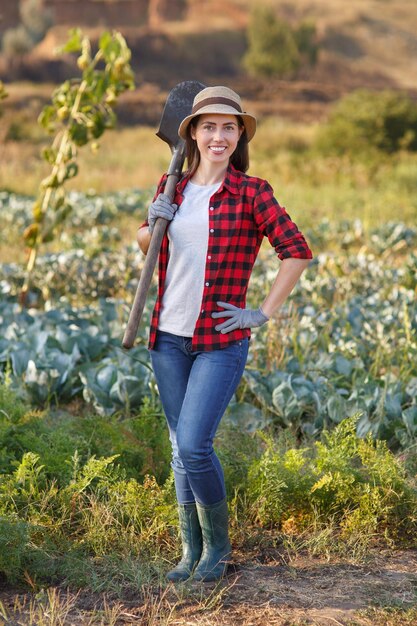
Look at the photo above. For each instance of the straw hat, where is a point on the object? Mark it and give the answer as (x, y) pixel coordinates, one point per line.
(218, 100)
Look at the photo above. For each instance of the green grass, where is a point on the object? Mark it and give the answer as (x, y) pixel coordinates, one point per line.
(63, 441)
(391, 616)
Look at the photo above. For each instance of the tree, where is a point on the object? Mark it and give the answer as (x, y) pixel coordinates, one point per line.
(16, 42)
(275, 47)
(36, 19)
(306, 39)
(272, 47)
(80, 112)
(35, 22)
(365, 120)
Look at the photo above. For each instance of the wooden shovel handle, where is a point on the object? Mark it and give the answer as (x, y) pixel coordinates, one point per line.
(151, 259)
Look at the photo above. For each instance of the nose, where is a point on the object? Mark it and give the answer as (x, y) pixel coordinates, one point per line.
(218, 134)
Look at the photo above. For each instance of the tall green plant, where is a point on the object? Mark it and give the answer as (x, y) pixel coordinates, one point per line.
(272, 47)
(35, 21)
(356, 485)
(365, 121)
(3, 95)
(306, 39)
(81, 110)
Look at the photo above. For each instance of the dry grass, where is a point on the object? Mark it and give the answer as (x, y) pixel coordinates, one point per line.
(127, 158)
(134, 157)
(311, 187)
(305, 591)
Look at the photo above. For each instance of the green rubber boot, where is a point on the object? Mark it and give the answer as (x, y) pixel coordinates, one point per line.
(192, 545)
(216, 546)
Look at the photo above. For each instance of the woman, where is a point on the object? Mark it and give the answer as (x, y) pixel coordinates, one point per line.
(200, 327)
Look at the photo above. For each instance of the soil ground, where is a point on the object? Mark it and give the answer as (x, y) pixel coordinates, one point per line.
(382, 591)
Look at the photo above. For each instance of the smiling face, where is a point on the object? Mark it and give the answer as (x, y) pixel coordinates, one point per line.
(217, 136)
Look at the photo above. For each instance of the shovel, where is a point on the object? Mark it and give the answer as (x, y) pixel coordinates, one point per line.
(178, 105)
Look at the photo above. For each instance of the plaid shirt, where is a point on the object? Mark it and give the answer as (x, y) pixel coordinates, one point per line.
(241, 212)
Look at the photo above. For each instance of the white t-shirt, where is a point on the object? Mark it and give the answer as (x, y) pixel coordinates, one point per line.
(188, 241)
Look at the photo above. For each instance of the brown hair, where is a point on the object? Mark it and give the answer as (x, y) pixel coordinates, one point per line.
(239, 158)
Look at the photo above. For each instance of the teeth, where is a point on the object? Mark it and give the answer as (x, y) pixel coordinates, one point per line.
(215, 149)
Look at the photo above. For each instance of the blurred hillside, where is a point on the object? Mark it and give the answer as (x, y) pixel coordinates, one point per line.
(362, 43)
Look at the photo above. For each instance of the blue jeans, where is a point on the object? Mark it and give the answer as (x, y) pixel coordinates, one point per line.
(195, 388)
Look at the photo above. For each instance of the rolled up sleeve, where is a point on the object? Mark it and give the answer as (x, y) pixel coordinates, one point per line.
(274, 222)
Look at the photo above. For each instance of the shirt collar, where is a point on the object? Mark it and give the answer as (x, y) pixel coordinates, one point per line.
(231, 181)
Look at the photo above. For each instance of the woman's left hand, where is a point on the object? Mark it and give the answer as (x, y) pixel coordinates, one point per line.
(239, 318)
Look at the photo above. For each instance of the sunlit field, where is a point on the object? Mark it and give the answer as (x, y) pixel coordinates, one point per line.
(318, 444)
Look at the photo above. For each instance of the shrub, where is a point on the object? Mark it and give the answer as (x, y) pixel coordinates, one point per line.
(365, 120)
(49, 533)
(16, 42)
(272, 47)
(62, 441)
(35, 18)
(356, 485)
(275, 48)
(3, 95)
(305, 36)
(35, 22)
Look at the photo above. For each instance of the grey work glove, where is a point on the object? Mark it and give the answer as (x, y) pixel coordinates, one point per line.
(161, 207)
(239, 318)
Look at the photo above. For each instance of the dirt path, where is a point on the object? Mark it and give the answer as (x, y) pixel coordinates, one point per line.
(315, 592)
(309, 591)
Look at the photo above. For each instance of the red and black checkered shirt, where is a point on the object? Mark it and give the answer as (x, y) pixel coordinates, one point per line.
(241, 212)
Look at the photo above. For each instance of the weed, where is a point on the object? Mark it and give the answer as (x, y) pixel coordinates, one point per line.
(102, 529)
(47, 608)
(60, 439)
(340, 495)
(392, 616)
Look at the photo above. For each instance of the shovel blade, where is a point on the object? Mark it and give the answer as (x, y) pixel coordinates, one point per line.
(177, 106)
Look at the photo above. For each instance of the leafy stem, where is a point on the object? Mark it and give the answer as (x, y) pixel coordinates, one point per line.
(80, 112)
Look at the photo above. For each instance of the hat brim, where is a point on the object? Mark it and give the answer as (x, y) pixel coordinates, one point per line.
(221, 109)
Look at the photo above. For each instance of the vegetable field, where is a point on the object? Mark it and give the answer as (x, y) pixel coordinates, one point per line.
(345, 345)
(319, 444)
